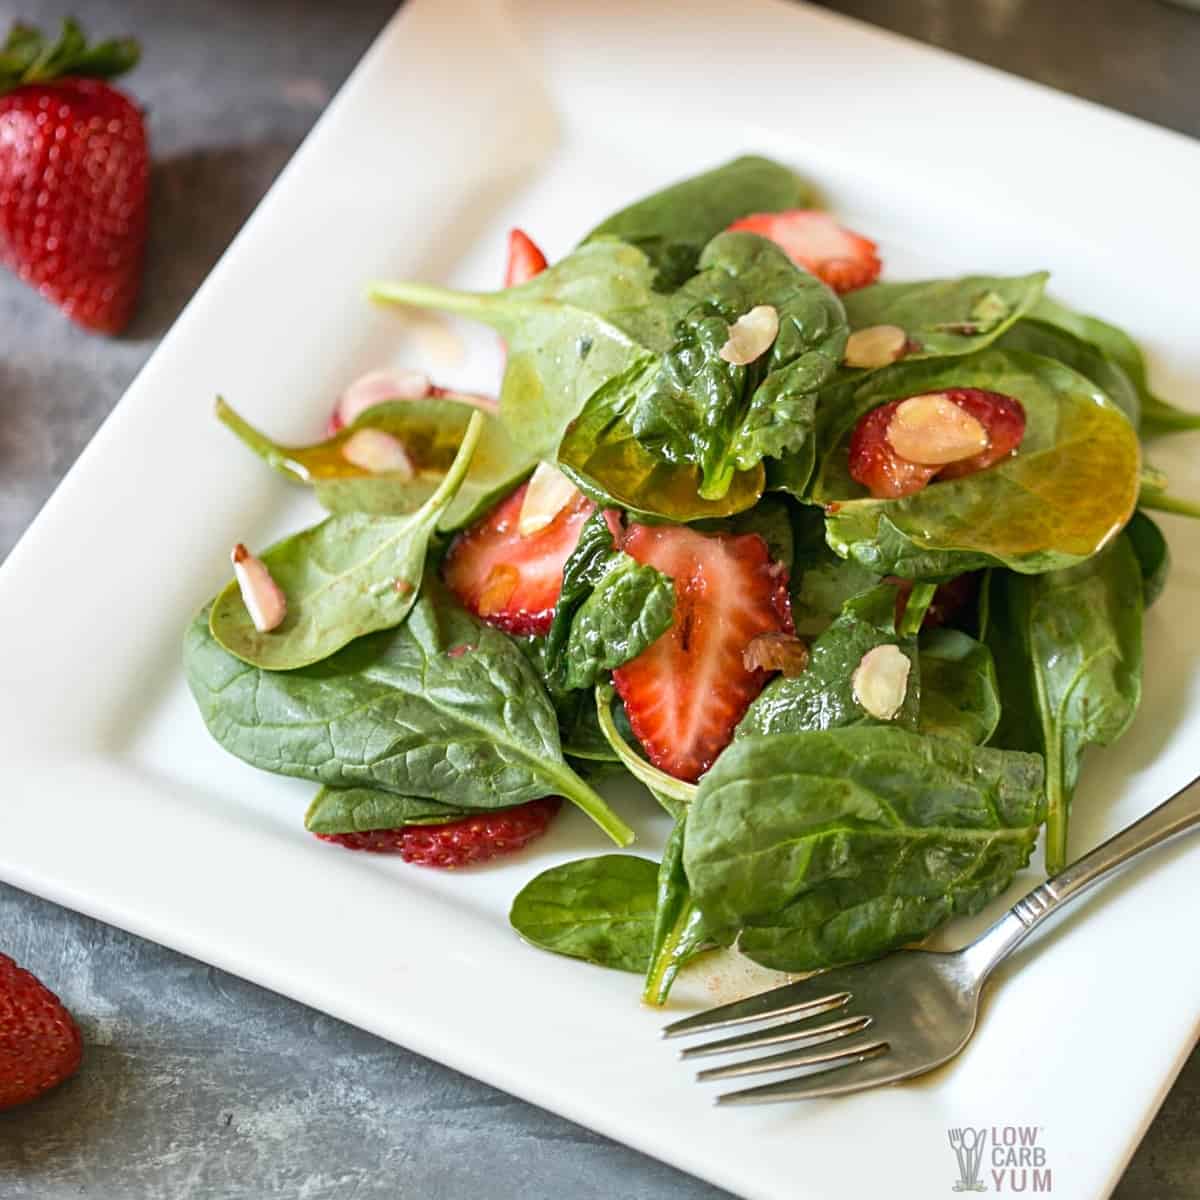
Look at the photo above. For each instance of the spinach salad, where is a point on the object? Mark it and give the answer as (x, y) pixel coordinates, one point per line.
(847, 574)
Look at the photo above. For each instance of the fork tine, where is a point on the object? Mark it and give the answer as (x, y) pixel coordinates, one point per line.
(791, 1058)
(793, 1031)
(835, 1080)
(791, 999)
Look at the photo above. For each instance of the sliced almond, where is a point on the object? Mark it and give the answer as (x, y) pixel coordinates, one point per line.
(378, 387)
(262, 596)
(498, 589)
(379, 453)
(932, 430)
(776, 652)
(751, 335)
(548, 493)
(876, 346)
(880, 681)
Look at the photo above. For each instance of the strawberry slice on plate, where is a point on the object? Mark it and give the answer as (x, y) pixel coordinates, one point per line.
(474, 839)
(685, 694)
(512, 580)
(839, 257)
(525, 260)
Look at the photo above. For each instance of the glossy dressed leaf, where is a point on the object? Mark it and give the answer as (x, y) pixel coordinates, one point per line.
(822, 696)
(680, 933)
(443, 708)
(361, 809)
(1153, 555)
(693, 420)
(600, 453)
(598, 909)
(1052, 341)
(431, 432)
(1071, 486)
(1157, 416)
(581, 322)
(586, 565)
(632, 606)
(944, 317)
(1079, 636)
(349, 576)
(959, 693)
(835, 846)
(672, 226)
(821, 581)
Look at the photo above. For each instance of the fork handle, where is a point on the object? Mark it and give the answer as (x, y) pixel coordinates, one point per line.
(1174, 816)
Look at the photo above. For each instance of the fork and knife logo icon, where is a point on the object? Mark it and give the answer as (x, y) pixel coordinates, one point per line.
(968, 1144)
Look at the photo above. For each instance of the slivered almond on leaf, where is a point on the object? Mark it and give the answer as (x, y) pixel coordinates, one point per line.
(932, 430)
(876, 346)
(549, 492)
(880, 681)
(262, 596)
(751, 335)
(378, 453)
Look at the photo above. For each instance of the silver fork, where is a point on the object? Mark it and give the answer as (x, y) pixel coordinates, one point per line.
(916, 1008)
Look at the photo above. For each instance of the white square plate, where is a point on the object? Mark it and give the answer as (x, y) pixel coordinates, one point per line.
(462, 120)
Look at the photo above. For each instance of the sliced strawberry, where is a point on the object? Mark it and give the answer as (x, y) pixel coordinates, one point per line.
(458, 843)
(843, 259)
(525, 260)
(875, 463)
(508, 580)
(685, 694)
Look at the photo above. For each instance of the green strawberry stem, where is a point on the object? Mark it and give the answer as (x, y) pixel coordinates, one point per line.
(28, 56)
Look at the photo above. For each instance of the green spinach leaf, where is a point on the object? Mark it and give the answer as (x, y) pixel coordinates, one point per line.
(586, 565)
(672, 226)
(821, 581)
(959, 692)
(1053, 341)
(668, 427)
(698, 408)
(598, 909)
(1115, 344)
(1075, 678)
(361, 809)
(834, 846)
(680, 933)
(1153, 555)
(1056, 502)
(443, 708)
(431, 431)
(822, 697)
(348, 576)
(947, 316)
(582, 322)
(632, 606)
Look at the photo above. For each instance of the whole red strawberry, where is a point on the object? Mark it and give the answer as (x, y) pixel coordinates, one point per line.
(40, 1045)
(458, 843)
(74, 174)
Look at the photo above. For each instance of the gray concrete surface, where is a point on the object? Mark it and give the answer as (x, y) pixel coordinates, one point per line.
(200, 1085)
